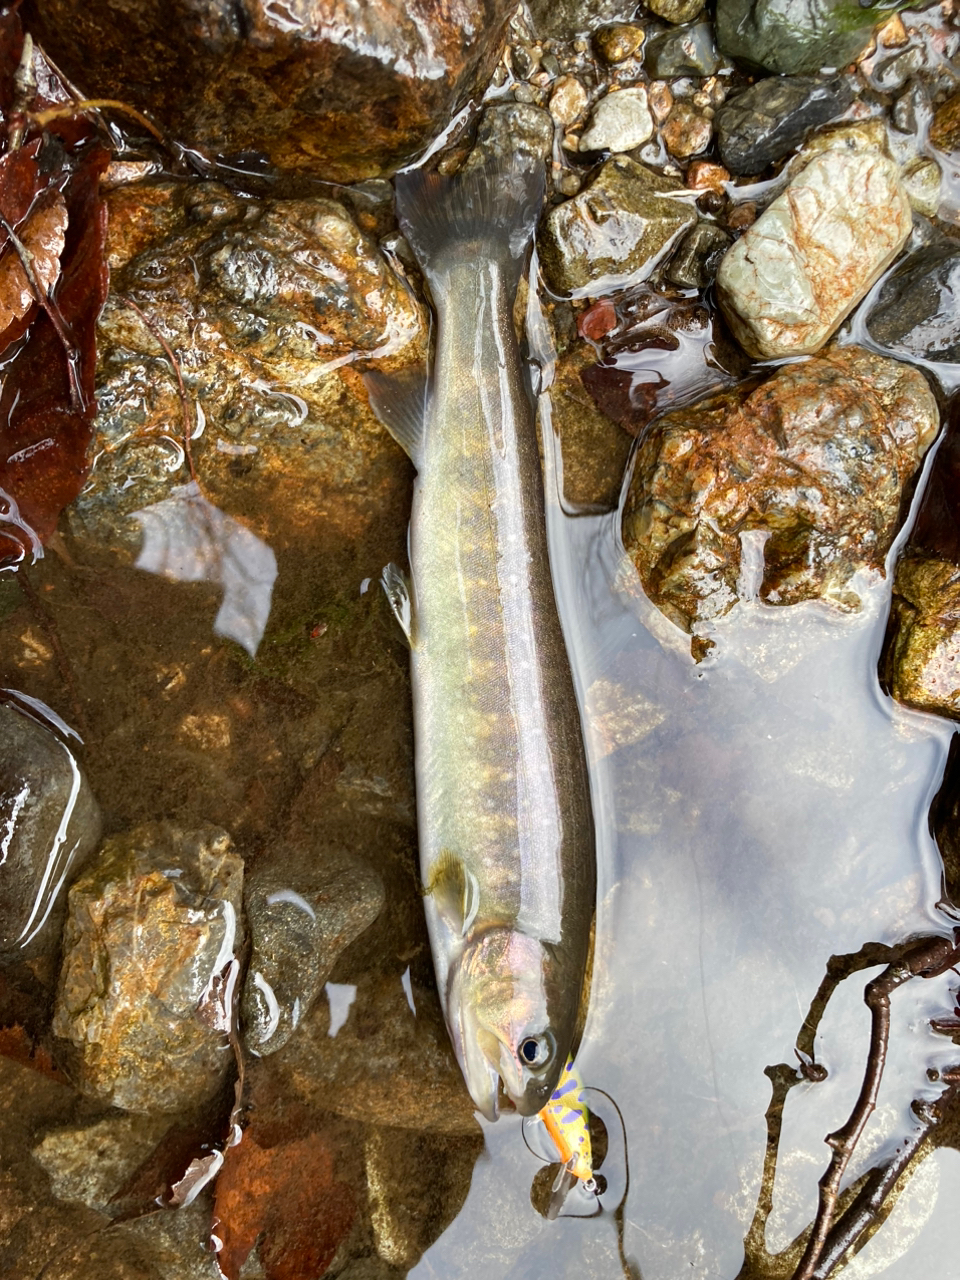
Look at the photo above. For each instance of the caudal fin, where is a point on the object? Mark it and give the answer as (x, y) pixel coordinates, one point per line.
(490, 211)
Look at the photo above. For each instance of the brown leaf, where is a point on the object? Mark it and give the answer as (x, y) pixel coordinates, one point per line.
(285, 1196)
(16, 1044)
(42, 235)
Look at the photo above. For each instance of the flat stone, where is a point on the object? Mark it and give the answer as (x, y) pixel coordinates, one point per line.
(817, 456)
(772, 117)
(795, 36)
(803, 266)
(148, 968)
(685, 51)
(620, 121)
(301, 918)
(916, 312)
(615, 230)
(340, 92)
(50, 824)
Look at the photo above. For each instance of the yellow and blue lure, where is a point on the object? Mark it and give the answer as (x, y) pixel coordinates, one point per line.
(567, 1121)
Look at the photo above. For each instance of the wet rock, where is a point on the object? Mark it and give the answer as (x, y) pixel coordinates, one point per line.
(795, 35)
(178, 1242)
(407, 1211)
(316, 89)
(686, 131)
(595, 449)
(619, 42)
(617, 227)
(265, 305)
(920, 665)
(149, 966)
(300, 920)
(677, 10)
(512, 127)
(817, 457)
(945, 126)
(922, 181)
(49, 825)
(917, 311)
(686, 51)
(388, 1063)
(893, 73)
(568, 102)
(89, 1162)
(564, 19)
(694, 265)
(772, 117)
(787, 284)
(620, 121)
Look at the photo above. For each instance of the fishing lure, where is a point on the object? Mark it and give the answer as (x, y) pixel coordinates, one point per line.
(567, 1121)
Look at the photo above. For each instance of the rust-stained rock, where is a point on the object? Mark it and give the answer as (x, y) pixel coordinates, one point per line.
(149, 967)
(791, 279)
(334, 88)
(265, 304)
(817, 457)
(945, 126)
(921, 659)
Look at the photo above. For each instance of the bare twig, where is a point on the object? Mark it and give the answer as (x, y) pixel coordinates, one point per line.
(925, 958)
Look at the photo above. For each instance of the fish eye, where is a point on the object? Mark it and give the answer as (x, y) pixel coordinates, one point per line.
(536, 1051)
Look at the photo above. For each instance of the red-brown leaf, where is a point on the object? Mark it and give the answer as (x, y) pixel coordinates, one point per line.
(285, 1196)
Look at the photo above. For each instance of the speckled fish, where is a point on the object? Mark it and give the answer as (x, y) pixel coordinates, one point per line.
(506, 831)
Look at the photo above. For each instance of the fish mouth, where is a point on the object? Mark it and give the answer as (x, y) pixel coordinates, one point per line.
(479, 1071)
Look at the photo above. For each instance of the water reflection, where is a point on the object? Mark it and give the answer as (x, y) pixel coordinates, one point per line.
(759, 813)
(188, 539)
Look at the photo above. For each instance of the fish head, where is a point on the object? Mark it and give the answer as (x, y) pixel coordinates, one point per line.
(501, 1021)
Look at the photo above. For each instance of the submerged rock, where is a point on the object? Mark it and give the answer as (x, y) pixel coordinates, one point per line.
(564, 19)
(149, 967)
(791, 36)
(920, 665)
(89, 1161)
(917, 311)
(300, 920)
(768, 120)
(49, 825)
(616, 228)
(817, 457)
(342, 91)
(945, 126)
(698, 255)
(677, 10)
(791, 279)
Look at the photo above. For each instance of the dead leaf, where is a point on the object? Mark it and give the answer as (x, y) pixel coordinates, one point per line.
(286, 1197)
(42, 235)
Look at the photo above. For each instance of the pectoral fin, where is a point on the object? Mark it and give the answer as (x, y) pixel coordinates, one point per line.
(400, 402)
(396, 588)
(455, 891)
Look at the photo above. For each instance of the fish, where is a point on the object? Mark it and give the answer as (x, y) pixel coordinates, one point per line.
(506, 834)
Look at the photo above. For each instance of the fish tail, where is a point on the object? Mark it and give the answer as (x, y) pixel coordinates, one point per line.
(490, 211)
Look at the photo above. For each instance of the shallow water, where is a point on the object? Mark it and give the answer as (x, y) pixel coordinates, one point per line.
(757, 813)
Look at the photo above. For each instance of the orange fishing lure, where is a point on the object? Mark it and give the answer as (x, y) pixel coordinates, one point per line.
(566, 1120)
